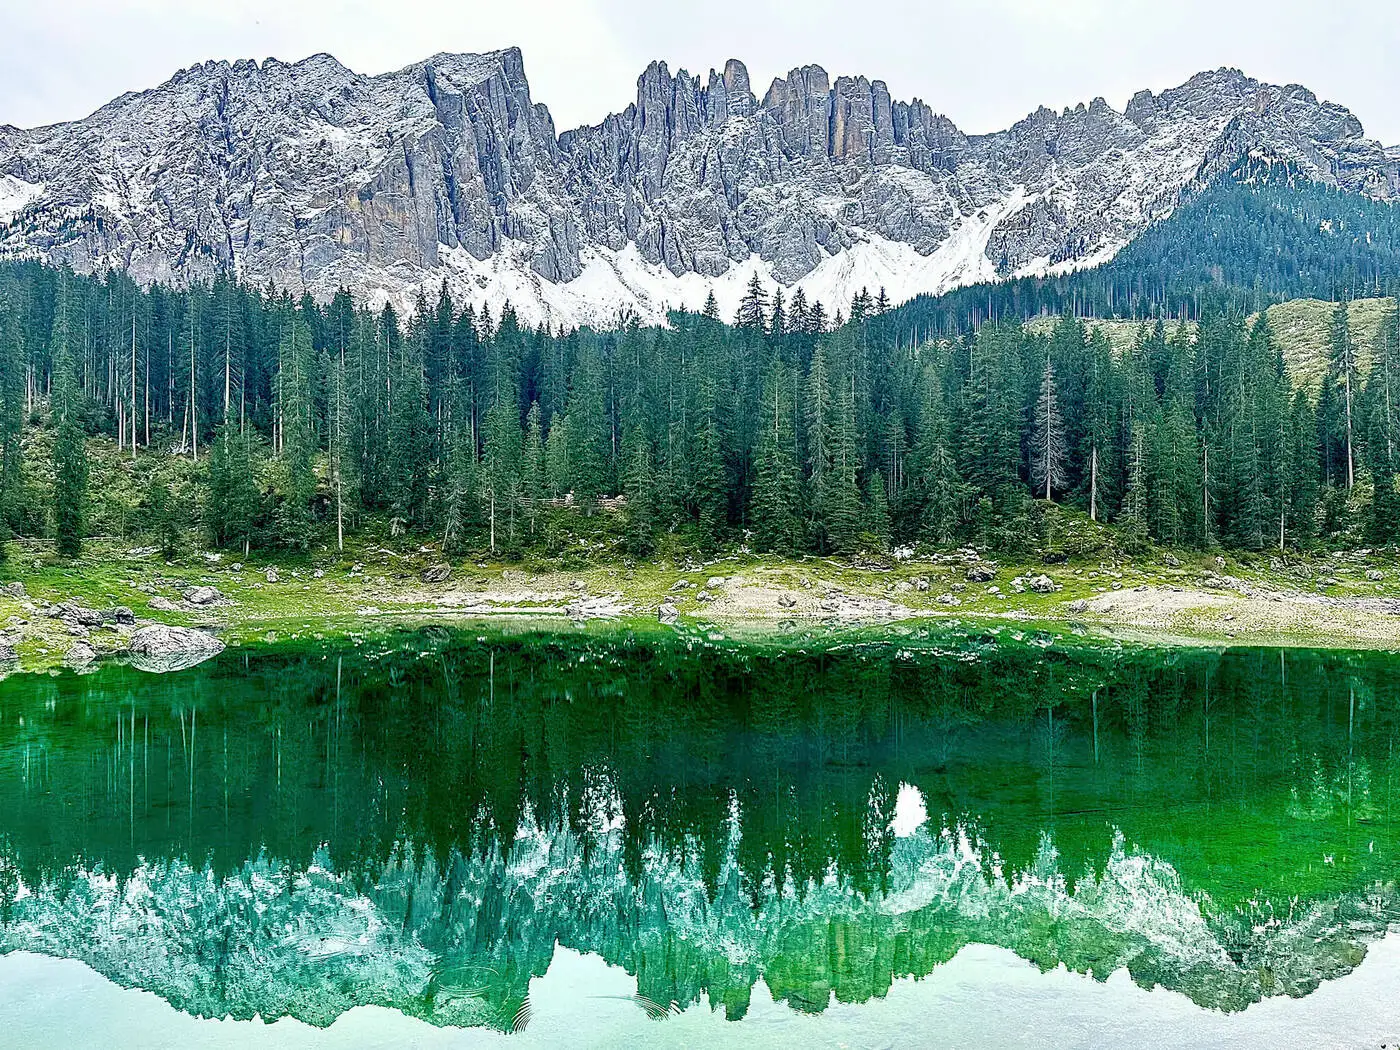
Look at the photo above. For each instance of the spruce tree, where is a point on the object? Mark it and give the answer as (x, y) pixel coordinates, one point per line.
(70, 459)
(533, 475)
(941, 491)
(233, 503)
(1303, 472)
(640, 488)
(501, 463)
(844, 510)
(11, 417)
(777, 525)
(295, 477)
(588, 426)
(1343, 372)
(1048, 445)
(161, 519)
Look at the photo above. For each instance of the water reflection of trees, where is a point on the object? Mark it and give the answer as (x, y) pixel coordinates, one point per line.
(690, 793)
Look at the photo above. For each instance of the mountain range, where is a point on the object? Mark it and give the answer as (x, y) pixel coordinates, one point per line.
(309, 176)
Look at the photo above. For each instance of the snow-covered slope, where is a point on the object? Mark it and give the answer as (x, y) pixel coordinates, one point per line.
(313, 177)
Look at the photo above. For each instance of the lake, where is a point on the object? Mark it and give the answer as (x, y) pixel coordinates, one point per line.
(895, 838)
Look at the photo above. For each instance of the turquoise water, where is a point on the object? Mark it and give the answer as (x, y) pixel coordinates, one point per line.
(430, 823)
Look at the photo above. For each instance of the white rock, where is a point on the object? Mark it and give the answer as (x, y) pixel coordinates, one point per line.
(161, 647)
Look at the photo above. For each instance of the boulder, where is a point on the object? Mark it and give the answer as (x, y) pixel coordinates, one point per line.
(15, 590)
(161, 604)
(8, 654)
(1374, 574)
(160, 647)
(1041, 584)
(203, 595)
(667, 613)
(787, 601)
(981, 573)
(273, 575)
(79, 655)
(121, 614)
(1079, 605)
(1171, 561)
(715, 582)
(86, 617)
(439, 573)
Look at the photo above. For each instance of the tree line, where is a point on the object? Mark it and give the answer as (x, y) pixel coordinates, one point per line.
(1260, 235)
(782, 428)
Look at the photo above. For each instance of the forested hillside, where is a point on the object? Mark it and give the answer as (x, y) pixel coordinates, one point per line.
(267, 422)
(1262, 235)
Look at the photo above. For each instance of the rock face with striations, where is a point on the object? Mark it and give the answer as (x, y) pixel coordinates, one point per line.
(310, 175)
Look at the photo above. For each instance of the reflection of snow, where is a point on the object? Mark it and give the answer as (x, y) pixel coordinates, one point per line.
(910, 813)
(254, 941)
(48, 1004)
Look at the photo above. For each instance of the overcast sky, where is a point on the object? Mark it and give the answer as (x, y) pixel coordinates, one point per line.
(984, 64)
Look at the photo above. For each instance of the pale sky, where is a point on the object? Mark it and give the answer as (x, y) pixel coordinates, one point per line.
(984, 64)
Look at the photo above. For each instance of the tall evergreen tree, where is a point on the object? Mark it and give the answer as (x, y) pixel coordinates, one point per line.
(1049, 448)
(70, 457)
(233, 501)
(1343, 372)
(12, 397)
(777, 525)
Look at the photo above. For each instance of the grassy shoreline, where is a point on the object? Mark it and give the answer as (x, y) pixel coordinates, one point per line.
(1349, 600)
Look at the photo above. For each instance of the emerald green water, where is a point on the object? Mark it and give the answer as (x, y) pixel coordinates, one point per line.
(418, 823)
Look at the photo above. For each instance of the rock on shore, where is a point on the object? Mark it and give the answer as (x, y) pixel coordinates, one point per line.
(160, 648)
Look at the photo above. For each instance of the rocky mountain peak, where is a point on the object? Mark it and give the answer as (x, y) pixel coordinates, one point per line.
(312, 176)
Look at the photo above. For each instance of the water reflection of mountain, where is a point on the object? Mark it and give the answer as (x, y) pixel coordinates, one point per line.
(297, 832)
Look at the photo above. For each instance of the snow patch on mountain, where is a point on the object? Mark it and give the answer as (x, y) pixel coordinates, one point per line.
(16, 195)
(617, 284)
(313, 177)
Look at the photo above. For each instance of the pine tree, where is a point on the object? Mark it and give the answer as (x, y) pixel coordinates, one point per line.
(588, 426)
(1099, 449)
(1175, 468)
(844, 510)
(558, 464)
(233, 504)
(753, 307)
(339, 443)
(12, 360)
(1303, 475)
(1048, 445)
(1342, 370)
(940, 490)
(1134, 518)
(160, 517)
(820, 444)
(70, 459)
(409, 466)
(295, 479)
(640, 488)
(502, 470)
(877, 509)
(533, 476)
(777, 525)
